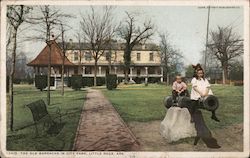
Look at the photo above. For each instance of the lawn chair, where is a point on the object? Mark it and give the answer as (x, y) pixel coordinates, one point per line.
(41, 115)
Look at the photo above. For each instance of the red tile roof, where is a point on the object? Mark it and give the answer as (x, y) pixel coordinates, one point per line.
(56, 56)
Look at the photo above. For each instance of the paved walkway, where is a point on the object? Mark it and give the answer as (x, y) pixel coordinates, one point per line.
(101, 127)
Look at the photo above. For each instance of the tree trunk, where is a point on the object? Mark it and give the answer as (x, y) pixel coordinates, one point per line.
(109, 66)
(12, 75)
(80, 62)
(126, 75)
(49, 73)
(127, 62)
(224, 65)
(224, 74)
(63, 77)
(95, 72)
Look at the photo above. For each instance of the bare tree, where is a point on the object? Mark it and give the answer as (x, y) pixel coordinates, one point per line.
(225, 45)
(64, 48)
(16, 15)
(80, 45)
(133, 34)
(170, 57)
(97, 30)
(49, 20)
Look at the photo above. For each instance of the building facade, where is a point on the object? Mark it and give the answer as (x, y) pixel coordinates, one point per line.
(145, 62)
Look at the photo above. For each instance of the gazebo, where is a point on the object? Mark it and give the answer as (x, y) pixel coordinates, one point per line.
(40, 63)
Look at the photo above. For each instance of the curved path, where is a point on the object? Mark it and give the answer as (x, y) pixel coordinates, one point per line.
(101, 127)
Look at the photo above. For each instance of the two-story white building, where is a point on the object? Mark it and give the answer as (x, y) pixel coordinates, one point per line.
(145, 61)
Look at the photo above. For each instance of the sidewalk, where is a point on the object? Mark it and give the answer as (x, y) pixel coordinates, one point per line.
(101, 128)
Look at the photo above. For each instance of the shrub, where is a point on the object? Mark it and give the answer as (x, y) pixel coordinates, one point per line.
(41, 81)
(100, 81)
(67, 80)
(154, 79)
(111, 81)
(88, 81)
(76, 82)
(52, 81)
(120, 79)
(16, 80)
(139, 80)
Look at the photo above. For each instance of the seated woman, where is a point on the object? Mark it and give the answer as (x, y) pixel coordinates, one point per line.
(200, 88)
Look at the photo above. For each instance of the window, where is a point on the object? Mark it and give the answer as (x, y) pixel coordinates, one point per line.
(138, 56)
(151, 56)
(138, 71)
(76, 56)
(88, 56)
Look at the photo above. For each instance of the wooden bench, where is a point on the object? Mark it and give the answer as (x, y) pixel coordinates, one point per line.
(40, 115)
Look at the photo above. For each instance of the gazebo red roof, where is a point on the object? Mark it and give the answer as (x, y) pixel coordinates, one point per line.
(56, 56)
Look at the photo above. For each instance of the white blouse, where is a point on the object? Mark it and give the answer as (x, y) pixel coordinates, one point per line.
(201, 85)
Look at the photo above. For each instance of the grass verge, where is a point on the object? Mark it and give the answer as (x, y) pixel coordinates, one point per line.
(145, 103)
(23, 138)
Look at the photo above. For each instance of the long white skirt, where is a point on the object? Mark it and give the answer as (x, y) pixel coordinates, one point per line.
(176, 125)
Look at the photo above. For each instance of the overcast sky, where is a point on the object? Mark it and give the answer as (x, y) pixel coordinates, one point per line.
(186, 25)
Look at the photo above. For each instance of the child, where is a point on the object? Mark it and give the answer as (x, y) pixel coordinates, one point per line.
(179, 88)
(200, 88)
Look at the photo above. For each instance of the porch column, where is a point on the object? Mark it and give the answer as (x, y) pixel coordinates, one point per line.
(83, 70)
(131, 73)
(115, 70)
(55, 82)
(161, 74)
(146, 79)
(100, 70)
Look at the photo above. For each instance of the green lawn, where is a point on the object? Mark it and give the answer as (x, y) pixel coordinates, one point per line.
(145, 103)
(24, 138)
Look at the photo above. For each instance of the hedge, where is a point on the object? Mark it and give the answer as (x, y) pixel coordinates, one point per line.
(111, 81)
(139, 80)
(76, 82)
(41, 81)
(154, 79)
(89, 81)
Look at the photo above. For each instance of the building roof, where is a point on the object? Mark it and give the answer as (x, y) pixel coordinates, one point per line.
(113, 46)
(56, 56)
